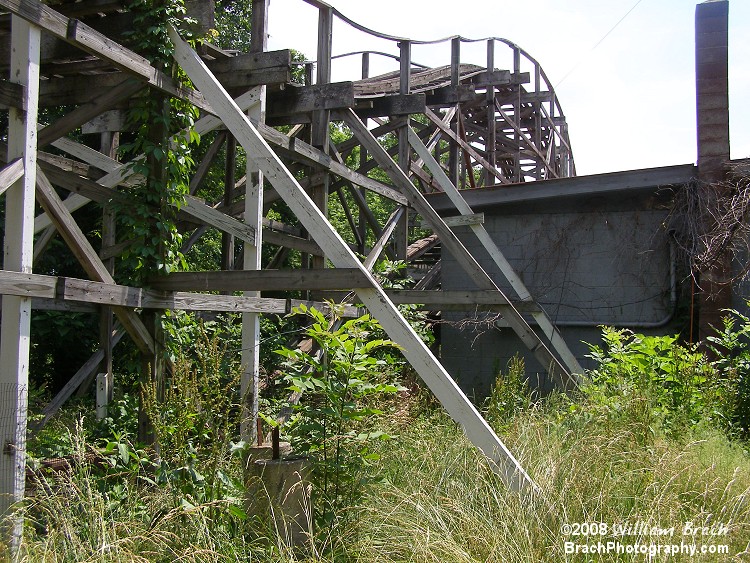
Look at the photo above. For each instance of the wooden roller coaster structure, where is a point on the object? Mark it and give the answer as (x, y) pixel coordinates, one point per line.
(458, 126)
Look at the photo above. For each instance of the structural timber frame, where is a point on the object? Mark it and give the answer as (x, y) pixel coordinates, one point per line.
(457, 126)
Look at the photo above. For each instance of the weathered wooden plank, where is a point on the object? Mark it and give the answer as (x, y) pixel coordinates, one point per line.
(302, 99)
(74, 119)
(450, 95)
(309, 154)
(461, 220)
(379, 245)
(18, 242)
(262, 280)
(54, 292)
(397, 104)
(10, 174)
(421, 358)
(199, 210)
(291, 241)
(87, 256)
(91, 41)
(12, 95)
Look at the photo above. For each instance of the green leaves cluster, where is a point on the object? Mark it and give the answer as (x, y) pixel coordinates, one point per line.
(160, 148)
(667, 381)
(340, 386)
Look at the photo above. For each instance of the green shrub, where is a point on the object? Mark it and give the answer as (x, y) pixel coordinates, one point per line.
(731, 351)
(652, 379)
(510, 394)
(340, 386)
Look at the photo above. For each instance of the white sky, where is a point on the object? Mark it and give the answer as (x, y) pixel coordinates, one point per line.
(629, 103)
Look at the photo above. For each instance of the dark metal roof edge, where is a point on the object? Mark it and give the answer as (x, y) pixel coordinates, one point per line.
(627, 182)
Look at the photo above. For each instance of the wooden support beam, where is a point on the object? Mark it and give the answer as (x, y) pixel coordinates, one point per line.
(80, 115)
(87, 256)
(60, 290)
(379, 246)
(12, 95)
(295, 100)
(460, 220)
(262, 280)
(450, 241)
(10, 174)
(465, 146)
(88, 39)
(15, 326)
(306, 153)
(84, 373)
(563, 377)
(373, 297)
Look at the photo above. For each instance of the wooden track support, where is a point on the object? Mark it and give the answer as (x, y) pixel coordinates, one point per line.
(374, 298)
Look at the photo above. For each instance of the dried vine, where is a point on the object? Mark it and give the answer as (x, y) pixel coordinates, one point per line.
(710, 221)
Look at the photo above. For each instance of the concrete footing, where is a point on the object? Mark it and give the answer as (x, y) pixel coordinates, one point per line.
(278, 493)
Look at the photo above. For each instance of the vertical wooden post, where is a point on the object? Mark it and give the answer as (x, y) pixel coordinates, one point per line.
(252, 253)
(491, 140)
(517, 115)
(538, 120)
(401, 234)
(227, 240)
(362, 226)
(18, 256)
(454, 149)
(321, 118)
(712, 104)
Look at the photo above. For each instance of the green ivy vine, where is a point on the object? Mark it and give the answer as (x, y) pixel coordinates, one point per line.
(160, 149)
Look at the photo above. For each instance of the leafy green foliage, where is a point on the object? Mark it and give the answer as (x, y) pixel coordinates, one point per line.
(194, 424)
(339, 388)
(732, 361)
(653, 378)
(160, 150)
(510, 394)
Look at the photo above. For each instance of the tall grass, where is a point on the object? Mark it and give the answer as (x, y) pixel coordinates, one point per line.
(438, 501)
(441, 502)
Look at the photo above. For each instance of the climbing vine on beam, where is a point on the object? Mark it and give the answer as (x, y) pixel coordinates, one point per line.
(160, 150)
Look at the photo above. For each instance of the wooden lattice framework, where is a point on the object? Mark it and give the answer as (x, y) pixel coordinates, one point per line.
(479, 126)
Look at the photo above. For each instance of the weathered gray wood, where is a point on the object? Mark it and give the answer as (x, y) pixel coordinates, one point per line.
(87, 256)
(379, 246)
(466, 146)
(309, 154)
(18, 243)
(263, 280)
(291, 241)
(461, 220)
(12, 95)
(451, 242)
(107, 122)
(420, 357)
(302, 99)
(205, 213)
(397, 104)
(58, 293)
(10, 174)
(91, 41)
(73, 119)
(549, 330)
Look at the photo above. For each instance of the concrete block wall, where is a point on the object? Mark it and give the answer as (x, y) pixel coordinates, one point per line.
(585, 268)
